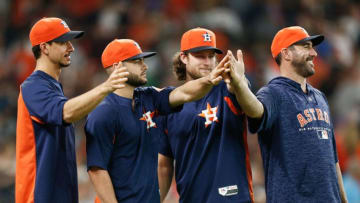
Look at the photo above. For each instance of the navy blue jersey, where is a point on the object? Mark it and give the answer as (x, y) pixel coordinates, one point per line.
(207, 139)
(124, 141)
(45, 144)
(297, 143)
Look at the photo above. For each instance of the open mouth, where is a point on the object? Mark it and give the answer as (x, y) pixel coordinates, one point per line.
(67, 56)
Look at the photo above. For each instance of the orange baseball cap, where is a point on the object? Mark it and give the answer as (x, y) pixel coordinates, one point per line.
(52, 29)
(291, 35)
(122, 50)
(199, 39)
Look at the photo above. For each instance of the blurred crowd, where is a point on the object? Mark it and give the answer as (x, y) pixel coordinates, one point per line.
(157, 25)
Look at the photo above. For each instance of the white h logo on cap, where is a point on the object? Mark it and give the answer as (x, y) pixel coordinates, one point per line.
(64, 24)
(137, 45)
(207, 37)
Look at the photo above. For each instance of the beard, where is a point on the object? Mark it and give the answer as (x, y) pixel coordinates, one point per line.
(135, 80)
(62, 65)
(302, 67)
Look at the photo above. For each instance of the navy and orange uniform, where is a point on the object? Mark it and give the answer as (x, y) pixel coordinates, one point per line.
(124, 141)
(297, 143)
(208, 141)
(45, 144)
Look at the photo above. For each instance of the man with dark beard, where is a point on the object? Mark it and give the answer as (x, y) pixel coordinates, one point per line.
(45, 139)
(122, 133)
(292, 119)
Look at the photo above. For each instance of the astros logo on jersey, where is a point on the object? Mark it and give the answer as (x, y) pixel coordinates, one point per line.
(311, 115)
(147, 117)
(207, 37)
(209, 114)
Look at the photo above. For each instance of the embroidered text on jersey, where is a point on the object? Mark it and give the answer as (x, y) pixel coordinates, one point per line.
(209, 114)
(312, 115)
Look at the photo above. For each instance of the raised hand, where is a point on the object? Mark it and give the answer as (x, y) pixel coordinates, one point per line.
(234, 71)
(217, 73)
(118, 77)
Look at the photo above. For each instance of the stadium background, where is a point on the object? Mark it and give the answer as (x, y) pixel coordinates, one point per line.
(157, 25)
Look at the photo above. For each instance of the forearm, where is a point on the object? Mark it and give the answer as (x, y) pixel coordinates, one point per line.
(190, 91)
(341, 185)
(165, 174)
(103, 186)
(247, 100)
(78, 107)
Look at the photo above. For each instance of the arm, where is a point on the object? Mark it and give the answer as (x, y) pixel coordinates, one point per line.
(235, 78)
(341, 185)
(196, 89)
(102, 183)
(78, 107)
(165, 174)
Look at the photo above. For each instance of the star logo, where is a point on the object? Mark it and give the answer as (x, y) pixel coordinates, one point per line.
(148, 118)
(209, 114)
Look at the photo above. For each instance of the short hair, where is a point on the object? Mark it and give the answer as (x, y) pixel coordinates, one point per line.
(36, 51)
(179, 68)
(278, 59)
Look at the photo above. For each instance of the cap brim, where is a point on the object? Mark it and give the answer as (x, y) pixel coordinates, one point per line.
(69, 36)
(141, 55)
(316, 39)
(197, 49)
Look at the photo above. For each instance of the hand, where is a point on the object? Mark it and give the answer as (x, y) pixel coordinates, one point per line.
(234, 70)
(217, 73)
(118, 77)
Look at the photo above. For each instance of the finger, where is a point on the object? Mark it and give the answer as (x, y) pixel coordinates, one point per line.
(219, 71)
(119, 69)
(239, 55)
(223, 61)
(119, 81)
(227, 65)
(231, 56)
(119, 86)
(217, 80)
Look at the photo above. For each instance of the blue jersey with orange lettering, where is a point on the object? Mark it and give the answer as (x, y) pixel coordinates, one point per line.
(45, 144)
(297, 143)
(124, 141)
(208, 141)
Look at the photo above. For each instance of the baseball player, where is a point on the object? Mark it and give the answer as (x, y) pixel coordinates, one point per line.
(122, 133)
(45, 142)
(207, 138)
(292, 119)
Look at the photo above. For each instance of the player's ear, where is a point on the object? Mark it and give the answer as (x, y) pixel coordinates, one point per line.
(184, 57)
(286, 54)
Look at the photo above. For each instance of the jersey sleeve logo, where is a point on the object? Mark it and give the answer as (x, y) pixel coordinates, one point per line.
(148, 118)
(209, 114)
